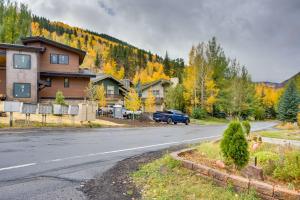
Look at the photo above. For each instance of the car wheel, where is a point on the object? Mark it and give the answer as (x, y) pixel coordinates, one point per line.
(187, 122)
(156, 121)
(175, 122)
(169, 121)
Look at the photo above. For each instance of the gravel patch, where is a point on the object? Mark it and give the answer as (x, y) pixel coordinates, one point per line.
(116, 182)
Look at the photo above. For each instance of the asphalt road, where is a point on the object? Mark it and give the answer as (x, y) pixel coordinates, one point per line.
(53, 164)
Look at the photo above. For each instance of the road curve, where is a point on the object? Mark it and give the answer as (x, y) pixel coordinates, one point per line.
(53, 164)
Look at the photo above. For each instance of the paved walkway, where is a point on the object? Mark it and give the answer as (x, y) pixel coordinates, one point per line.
(281, 141)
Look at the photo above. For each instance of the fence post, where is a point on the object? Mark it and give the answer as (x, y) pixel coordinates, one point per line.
(11, 119)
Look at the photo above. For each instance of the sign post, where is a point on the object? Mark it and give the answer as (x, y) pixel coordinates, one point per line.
(11, 107)
(44, 109)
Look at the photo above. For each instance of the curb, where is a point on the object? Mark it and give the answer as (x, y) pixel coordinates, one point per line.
(263, 190)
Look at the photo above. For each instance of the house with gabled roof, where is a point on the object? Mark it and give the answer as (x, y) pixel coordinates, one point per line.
(158, 89)
(35, 70)
(115, 90)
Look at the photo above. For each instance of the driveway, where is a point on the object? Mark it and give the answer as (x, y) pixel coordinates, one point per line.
(53, 164)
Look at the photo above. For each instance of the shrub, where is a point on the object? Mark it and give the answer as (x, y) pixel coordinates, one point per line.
(59, 98)
(199, 113)
(298, 119)
(288, 169)
(246, 127)
(234, 145)
(267, 160)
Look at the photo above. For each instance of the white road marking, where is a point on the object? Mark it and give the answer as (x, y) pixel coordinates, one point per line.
(17, 166)
(109, 152)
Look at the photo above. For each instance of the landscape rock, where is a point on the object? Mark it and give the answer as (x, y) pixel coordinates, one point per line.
(253, 172)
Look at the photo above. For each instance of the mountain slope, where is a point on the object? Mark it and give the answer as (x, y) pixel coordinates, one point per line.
(101, 48)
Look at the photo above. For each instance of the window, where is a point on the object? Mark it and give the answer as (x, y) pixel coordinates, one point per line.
(110, 90)
(155, 93)
(59, 59)
(66, 83)
(22, 90)
(63, 59)
(49, 81)
(22, 61)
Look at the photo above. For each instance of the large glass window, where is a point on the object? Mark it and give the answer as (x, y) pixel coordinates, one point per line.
(59, 59)
(22, 61)
(22, 90)
(110, 90)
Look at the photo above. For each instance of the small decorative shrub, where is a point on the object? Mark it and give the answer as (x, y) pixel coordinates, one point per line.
(59, 98)
(246, 127)
(267, 160)
(199, 113)
(259, 139)
(234, 145)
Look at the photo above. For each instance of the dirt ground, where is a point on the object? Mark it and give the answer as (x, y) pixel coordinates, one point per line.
(133, 123)
(116, 182)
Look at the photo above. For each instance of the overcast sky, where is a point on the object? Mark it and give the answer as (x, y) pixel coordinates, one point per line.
(264, 35)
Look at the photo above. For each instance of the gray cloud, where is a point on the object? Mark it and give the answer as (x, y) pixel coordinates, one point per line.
(262, 34)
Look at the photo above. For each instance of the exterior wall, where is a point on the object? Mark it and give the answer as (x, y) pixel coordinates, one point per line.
(21, 76)
(155, 87)
(46, 66)
(2, 82)
(76, 89)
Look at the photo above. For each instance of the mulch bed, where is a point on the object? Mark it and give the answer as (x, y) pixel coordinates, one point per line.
(116, 182)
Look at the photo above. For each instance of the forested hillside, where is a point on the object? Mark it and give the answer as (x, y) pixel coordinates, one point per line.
(103, 51)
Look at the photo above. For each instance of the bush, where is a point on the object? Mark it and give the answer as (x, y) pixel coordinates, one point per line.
(288, 169)
(267, 160)
(59, 98)
(298, 119)
(246, 127)
(199, 113)
(234, 145)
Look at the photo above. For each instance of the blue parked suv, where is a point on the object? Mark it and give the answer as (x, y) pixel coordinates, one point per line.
(171, 116)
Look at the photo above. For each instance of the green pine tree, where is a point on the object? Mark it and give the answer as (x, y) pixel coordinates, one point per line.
(289, 104)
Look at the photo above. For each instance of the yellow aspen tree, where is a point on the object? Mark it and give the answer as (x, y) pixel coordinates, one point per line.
(132, 101)
(150, 102)
(211, 91)
(101, 96)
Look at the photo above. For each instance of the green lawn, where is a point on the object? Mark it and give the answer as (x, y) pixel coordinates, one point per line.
(166, 179)
(281, 134)
(209, 121)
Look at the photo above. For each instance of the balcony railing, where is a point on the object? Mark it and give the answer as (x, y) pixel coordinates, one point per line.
(113, 96)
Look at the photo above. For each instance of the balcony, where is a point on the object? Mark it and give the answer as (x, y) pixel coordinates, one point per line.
(114, 96)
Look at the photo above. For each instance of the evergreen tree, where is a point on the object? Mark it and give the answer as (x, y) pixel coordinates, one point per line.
(97, 60)
(289, 104)
(167, 67)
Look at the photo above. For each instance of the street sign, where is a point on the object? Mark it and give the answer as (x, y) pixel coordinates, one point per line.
(57, 110)
(64, 110)
(12, 106)
(28, 108)
(73, 110)
(45, 109)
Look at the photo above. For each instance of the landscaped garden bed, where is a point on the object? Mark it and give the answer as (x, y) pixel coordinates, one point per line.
(273, 171)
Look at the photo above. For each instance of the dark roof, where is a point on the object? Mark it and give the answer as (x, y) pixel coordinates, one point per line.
(103, 76)
(56, 44)
(162, 81)
(80, 74)
(21, 47)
